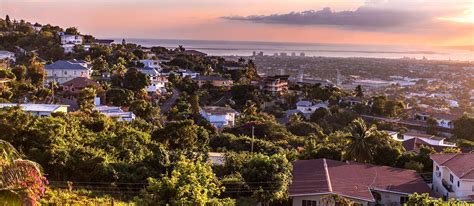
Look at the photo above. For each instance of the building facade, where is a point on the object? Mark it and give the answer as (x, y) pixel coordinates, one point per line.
(453, 176)
(219, 117)
(65, 70)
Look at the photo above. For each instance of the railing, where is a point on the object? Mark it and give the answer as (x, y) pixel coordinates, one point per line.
(446, 185)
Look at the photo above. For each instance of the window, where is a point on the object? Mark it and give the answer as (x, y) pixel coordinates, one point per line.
(437, 168)
(309, 203)
(403, 199)
(459, 184)
(451, 178)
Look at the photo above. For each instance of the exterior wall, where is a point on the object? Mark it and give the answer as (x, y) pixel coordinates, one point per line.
(64, 75)
(463, 191)
(445, 123)
(297, 201)
(74, 39)
(390, 199)
(219, 121)
(151, 63)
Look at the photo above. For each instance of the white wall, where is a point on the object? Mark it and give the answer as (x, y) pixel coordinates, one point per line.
(297, 201)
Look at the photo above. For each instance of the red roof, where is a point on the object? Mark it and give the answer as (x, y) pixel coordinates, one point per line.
(462, 164)
(351, 179)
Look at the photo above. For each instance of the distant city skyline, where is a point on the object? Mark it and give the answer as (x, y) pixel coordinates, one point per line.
(397, 22)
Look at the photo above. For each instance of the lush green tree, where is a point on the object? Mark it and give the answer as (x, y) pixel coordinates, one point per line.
(464, 128)
(183, 135)
(145, 110)
(359, 92)
(20, 72)
(267, 177)
(302, 128)
(362, 141)
(135, 80)
(72, 31)
(36, 73)
(85, 100)
(100, 66)
(325, 149)
(425, 199)
(190, 182)
(119, 97)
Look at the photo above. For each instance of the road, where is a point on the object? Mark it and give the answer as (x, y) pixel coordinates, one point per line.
(166, 106)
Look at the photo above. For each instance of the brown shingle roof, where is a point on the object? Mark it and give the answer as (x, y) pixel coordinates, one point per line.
(462, 164)
(81, 82)
(414, 144)
(351, 179)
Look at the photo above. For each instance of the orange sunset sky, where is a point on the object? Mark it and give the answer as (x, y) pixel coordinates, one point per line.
(408, 22)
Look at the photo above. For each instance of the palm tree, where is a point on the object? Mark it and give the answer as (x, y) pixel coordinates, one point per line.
(20, 180)
(362, 142)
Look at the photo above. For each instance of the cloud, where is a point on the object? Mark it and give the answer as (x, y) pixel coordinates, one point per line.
(363, 17)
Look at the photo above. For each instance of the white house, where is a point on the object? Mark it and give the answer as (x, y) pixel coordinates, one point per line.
(152, 63)
(220, 117)
(6, 55)
(453, 176)
(71, 39)
(314, 182)
(115, 112)
(186, 73)
(64, 70)
(430, 139)
(158, 81)
(307, 107)
(38, 109)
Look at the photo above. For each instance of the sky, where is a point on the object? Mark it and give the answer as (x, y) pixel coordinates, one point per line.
(387, 22)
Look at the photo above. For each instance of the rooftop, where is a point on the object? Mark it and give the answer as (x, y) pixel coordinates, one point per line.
(210, 78)
(67, 64)
(148, 71)
(462, 164)
(218, 110)
(81, 82)
(35, 107)
(324, 176)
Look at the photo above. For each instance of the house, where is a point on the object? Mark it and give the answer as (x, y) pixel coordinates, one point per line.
(7, 55)
(277, 84)
(74, 86)
(71, 39)
(214, 81)
(39, 109)
(352, 101)
(216, 158)
(187, 73)
(307, 107)
(219, 117)
(152, 63)
(158, 81)
(363, 184)
(68, 42)
(104, 42)
(453, 176)
(64, 70)
(115, 112)
(444, 120)
(429, 139)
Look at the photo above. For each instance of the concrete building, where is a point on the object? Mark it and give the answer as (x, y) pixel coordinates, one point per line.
(277, 84)
(453, 176)
(64, 70)
(220, 117)
(39, 109)
(314, 181)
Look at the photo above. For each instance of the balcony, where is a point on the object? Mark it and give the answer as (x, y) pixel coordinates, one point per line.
(447, 186)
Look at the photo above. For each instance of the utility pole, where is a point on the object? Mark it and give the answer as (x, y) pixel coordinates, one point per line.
(253, 138)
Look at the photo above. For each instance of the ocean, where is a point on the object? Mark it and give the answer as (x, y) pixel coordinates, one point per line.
(246, 48)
